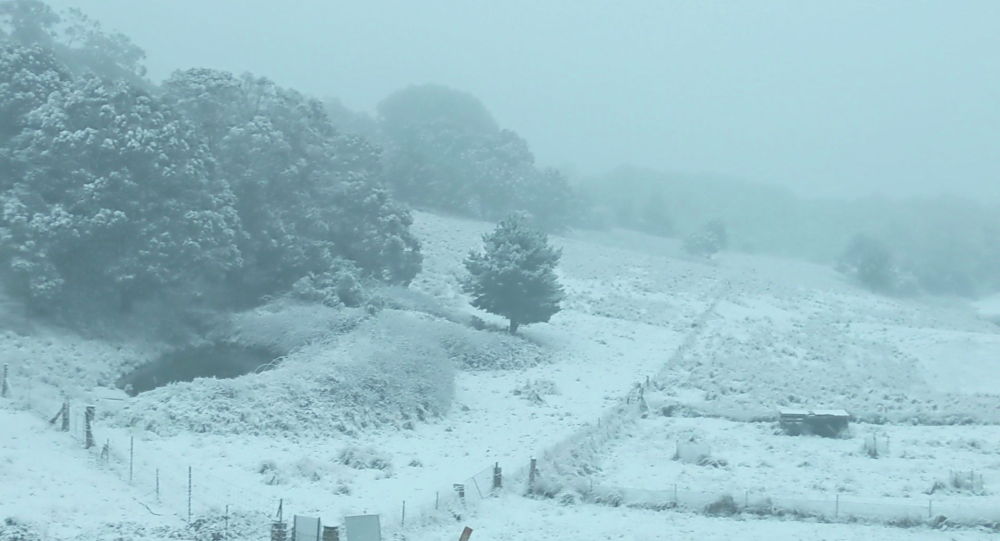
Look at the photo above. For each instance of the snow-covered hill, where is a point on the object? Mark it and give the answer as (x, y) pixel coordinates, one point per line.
(783, 333)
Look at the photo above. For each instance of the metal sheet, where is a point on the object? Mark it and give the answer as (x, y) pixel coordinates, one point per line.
(363, 528)
(306, 528)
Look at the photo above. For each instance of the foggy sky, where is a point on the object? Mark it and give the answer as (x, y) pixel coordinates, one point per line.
(837, 98)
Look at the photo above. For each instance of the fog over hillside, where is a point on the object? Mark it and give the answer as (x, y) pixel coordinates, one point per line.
(846, 98)
(506, 270)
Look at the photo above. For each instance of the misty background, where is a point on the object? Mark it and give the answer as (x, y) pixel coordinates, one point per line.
(285, 145)
(826, 98)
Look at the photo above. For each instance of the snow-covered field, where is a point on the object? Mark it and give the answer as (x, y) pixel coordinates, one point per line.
(759, 459)
(785, 333)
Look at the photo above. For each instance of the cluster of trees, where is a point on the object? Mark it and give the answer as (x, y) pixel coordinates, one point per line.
(217, 190)
(938, 246)
(445, 151)
(209, 190)
(212, 190)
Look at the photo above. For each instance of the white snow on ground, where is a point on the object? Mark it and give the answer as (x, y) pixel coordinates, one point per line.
(757, 457)
(989, 308)
(516, 519)
(47, 479)
(787, 333)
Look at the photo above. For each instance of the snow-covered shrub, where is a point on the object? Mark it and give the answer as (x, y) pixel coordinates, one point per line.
(535, 390)
(485, 350)
(723, 507)
(403, 298)
(286, 324)
(341, 286)
(692, 450)
(270, 473)
(221, 525)
(969, 482)
(401, 363)
(12, 529)
(364, 458)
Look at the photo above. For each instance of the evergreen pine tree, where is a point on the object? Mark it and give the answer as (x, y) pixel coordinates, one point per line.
(514, 276)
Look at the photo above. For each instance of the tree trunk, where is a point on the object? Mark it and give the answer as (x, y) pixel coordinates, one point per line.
(512, 329)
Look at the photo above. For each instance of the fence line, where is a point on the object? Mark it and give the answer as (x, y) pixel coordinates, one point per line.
(837, 507)
(162, 490)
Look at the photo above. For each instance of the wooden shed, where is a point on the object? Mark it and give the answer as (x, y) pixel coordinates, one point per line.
(826, 423)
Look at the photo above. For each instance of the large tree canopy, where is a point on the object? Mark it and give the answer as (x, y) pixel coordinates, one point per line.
(111, 197)
(306, 195)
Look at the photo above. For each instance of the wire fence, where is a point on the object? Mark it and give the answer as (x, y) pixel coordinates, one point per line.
(828, 507)
(169, 486)
(161, 483)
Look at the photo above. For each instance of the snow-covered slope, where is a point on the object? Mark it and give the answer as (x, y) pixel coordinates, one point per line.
(783, 333)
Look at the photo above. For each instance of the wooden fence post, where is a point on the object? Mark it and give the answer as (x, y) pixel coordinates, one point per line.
(189, 494)
(131, 455)
(497, 478)
(65, 416)
(532, 474)
(4, 388)
(88, 427)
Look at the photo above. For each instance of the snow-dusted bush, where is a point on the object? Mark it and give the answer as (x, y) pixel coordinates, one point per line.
(535, 390)
(401, 365)
(286, 324)
(364, 458)
(724, 506)
(12, 529)
(340, 286)
(486, 350)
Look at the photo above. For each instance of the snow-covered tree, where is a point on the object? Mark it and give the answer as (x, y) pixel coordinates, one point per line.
(869, 261)
(445, 150)
(708, 240)
(111, 198)
(28, 75)
(76, 40)
(306, 195)
(514, 276)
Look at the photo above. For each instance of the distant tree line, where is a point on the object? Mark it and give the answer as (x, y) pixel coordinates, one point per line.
(900, 246)
(443, 150)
